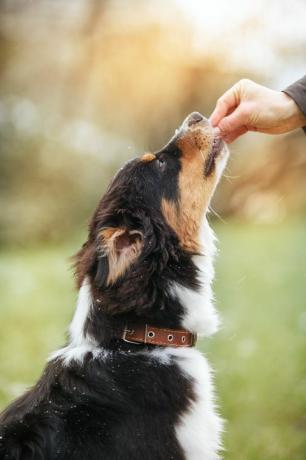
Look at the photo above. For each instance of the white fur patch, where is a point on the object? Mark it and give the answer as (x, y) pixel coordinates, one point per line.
(200, 315)
(77, 353)
(76, 328)
(221, 162)
(199, 430)
(79, 343)
(200, 427)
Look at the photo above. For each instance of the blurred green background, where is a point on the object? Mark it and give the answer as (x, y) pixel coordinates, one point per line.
(86, 85)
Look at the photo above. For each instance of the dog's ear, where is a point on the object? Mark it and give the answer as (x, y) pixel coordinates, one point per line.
(118, 249)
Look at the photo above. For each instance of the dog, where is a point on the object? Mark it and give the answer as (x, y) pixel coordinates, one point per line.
(129, 384)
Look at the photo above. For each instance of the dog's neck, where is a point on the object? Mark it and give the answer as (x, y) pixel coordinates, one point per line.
(91, 328)
(199, 315)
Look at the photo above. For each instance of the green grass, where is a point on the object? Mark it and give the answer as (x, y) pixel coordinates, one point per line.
(259, 354)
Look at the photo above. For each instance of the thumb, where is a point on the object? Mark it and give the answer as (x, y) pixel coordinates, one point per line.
(236, 121)
(229, 138)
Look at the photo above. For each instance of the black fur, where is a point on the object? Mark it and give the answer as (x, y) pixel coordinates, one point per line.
(122, 407)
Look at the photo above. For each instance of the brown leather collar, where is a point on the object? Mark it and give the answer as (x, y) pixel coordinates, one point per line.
(157, 336)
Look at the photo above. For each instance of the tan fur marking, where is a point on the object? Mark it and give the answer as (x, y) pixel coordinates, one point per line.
(119, 260)
(187, 230)
(195, 191)
(147, 157)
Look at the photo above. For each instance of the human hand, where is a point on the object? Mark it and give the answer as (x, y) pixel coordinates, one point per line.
(248, 106)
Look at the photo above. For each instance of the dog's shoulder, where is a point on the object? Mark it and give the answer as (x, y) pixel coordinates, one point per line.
(97, 404)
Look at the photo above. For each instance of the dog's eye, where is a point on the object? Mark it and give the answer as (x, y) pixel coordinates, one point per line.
(161, 162)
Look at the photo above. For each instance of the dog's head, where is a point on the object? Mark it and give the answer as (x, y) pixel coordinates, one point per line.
(153, 208)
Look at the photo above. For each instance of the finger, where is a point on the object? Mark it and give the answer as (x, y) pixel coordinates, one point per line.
(229, 138)
(225, 104)
(237, 120)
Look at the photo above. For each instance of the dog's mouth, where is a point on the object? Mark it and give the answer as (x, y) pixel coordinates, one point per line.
(216, 148)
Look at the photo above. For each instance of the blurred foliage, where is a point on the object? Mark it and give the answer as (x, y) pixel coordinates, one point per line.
(85, 85)
(259, 354)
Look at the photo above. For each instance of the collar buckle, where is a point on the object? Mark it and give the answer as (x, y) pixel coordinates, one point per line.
(129, 331)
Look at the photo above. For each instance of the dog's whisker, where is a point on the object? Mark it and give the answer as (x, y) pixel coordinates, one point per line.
(215, 213)
(229, 176)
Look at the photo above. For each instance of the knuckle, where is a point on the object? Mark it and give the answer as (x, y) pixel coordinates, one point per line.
(244, 111)
(246, 82)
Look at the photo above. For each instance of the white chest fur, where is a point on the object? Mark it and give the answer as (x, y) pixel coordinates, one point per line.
(199, 429)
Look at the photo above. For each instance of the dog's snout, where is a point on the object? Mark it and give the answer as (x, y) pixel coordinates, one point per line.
(194, 118)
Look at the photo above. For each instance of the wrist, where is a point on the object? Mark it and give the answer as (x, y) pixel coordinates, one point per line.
(294, 115)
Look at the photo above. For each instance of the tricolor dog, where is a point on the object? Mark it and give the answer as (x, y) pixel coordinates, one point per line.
(130, 384)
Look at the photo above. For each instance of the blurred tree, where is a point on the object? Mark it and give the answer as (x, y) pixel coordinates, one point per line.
(116, 78)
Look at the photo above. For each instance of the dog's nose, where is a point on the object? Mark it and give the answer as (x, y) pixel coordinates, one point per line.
(194, 118)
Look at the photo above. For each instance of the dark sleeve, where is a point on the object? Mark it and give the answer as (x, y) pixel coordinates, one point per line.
(298, 93)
